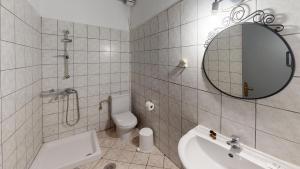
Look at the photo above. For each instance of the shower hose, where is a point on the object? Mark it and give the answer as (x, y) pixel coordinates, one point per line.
(68, 92)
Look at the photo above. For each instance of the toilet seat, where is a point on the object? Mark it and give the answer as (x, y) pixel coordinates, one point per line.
(125, 120)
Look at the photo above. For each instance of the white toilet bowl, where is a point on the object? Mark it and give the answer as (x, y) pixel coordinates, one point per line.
(124, 120)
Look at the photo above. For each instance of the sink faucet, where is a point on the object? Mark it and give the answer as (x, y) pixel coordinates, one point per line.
(235, 144)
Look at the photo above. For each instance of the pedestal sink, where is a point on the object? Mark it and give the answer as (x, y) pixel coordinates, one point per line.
(197, 150)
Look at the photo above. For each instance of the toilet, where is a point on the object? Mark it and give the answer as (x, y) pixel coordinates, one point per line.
(123, 118)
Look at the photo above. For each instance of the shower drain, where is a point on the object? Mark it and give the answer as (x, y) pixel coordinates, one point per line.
(110, 166)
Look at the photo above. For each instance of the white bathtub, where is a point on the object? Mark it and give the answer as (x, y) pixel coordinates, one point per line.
(68, 153)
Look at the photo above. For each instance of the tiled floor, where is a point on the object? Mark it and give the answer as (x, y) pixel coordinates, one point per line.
(125, 156)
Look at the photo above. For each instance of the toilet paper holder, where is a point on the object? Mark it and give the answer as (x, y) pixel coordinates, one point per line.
(149, 105)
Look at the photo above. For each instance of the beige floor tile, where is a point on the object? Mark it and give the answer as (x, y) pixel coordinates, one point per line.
(121, 165)
(88, 166)
(150, 167)
(140, 158)
(156, 151)
(112, 154)
(135, 166)
(168, 164)
(121, 153)
(125, 156)
(102, 163)
(156, 160)
(108, 142)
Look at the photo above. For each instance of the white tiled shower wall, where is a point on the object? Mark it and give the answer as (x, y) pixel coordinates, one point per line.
(184, 98)
(21, 112)
(99, 67)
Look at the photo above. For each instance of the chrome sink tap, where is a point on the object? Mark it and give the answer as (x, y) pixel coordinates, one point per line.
(235, 144)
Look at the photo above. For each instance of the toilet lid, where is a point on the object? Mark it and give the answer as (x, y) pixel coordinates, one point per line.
(126, 119)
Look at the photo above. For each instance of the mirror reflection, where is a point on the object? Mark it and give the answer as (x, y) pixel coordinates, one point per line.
(249, 61)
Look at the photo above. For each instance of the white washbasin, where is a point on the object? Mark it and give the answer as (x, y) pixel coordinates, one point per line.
(197, 150)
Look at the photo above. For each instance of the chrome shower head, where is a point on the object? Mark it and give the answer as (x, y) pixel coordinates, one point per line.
(129, 2)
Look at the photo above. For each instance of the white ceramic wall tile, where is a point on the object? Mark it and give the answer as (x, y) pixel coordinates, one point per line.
(7, 25)
(188, 11)
(246, 134)
(269, 120)
(163, 21)
(278, 147)
(80, 30)
(174, 15)
(104, 33)
(238, 111)
(93, 32)
(49, 26)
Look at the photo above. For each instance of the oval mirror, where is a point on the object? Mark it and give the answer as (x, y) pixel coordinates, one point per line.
(249, 61)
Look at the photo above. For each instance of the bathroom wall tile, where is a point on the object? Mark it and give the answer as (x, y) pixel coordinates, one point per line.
(238, 111)
(174, 15)
(269, 121)
(93, 45)
(7, 25)
(7, 55)
(8, 127)
(190, 54)
(125, 36)
(49, 26)
(204, 8)
(246, 134)
(8, 4)
(105, 45)
(125, 47)
(115, 46)
(209, 120)
(49, 41)
(286, 99)
(20, 34)
(163, 21)
(80, 44)
(80, 30)
(80, 57)
(105, 33)
(7, 82)
(189, 77)
(63, 26)
(205, 100)
(49, 71)
(48, 84)
(163, 40)
(188, 11)
(8, 106)
(93, 32)
(174, 37)
(115, 35)
(278, 147)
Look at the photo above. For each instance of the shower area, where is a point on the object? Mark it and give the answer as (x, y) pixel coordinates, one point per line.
(54, 73)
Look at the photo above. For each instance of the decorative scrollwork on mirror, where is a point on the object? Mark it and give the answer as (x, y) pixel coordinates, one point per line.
(238, 15)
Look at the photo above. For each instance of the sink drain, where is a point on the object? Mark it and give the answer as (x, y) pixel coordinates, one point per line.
(110, 166)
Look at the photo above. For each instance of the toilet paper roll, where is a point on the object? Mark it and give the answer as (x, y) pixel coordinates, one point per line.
(149, 106)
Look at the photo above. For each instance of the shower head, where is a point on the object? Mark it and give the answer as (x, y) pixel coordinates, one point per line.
(129, 2)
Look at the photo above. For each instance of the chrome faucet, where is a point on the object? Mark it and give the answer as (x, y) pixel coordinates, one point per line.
(235, 144)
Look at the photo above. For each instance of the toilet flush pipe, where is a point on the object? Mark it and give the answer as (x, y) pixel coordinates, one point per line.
(108, 100)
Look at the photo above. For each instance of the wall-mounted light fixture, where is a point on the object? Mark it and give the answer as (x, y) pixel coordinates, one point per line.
(229, 4)
(215, 6)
